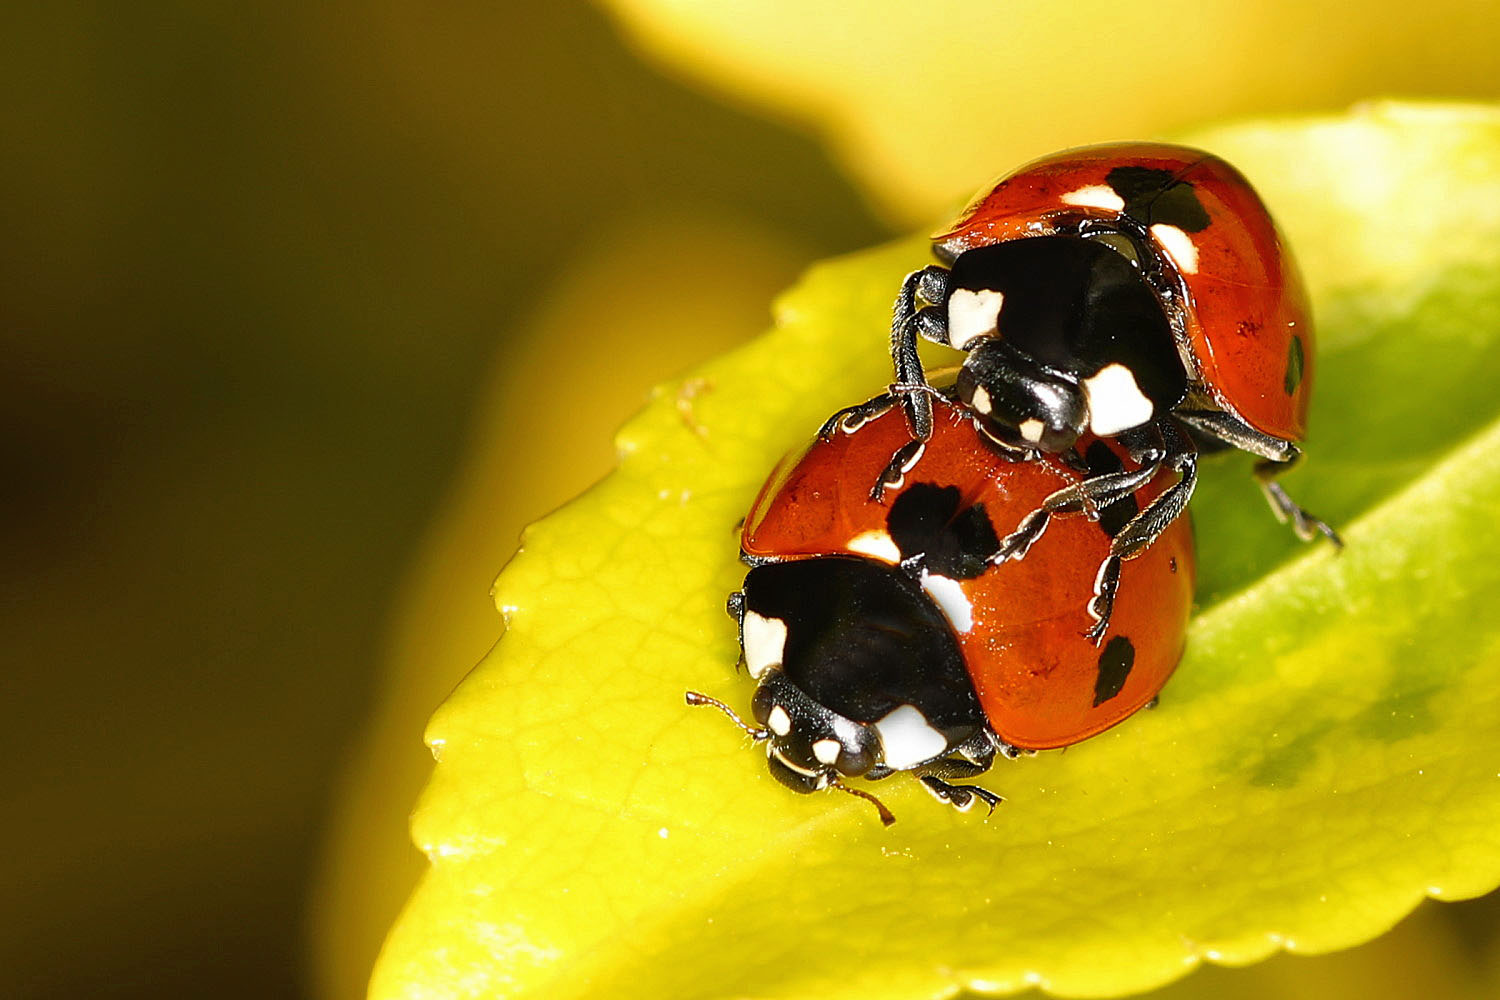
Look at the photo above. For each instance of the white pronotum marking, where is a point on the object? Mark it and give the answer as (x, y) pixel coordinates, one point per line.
(973, 314)
(1115, 401)
(1178, 245)
(1095, 196)
(846, 731)
(949, 595)
(827, 751)
(906, 738)
(981, 399)
(779, 722)
(764, 640)
(876, 544)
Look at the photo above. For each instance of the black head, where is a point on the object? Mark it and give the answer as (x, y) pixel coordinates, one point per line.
(809, 743)
(1019, 401)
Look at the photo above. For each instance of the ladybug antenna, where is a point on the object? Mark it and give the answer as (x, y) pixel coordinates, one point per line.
(886, 816)
(757, 734)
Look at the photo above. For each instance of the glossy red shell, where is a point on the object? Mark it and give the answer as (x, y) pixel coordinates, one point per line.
(1244, 304)
(1034, 671)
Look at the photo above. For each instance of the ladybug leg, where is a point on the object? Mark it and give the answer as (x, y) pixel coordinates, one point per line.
(1086, 497)
(1143, 529)
(913, 315)
(953, 768)
(960, 797)
(1277, 457)
(1145, 445)
(902, 462)
(1102, 607)
(1286, 509)
(971, 758)
(1019, 542)
(977, 752)
(852, 418)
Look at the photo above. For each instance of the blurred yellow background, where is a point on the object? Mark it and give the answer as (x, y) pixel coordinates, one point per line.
(270, 274)
(920, 101)
(257, 260)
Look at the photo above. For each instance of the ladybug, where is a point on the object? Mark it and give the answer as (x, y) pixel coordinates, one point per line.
(884, 637)
(1135, 291)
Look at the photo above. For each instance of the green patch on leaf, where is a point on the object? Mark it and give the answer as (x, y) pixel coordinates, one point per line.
(1327, 755)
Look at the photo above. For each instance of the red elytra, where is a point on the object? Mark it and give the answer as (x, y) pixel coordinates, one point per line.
(1243, 314)
(1035, 673)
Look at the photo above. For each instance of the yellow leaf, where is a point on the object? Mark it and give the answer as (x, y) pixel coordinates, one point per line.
(1326, 757)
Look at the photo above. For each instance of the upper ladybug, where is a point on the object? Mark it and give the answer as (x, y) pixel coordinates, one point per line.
(1237, 312)
(1136, 291)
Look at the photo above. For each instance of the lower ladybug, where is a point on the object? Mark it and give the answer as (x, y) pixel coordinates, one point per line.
(884, 636)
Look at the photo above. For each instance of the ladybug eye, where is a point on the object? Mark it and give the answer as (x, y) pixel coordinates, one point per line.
(854, 761)
(764, 704)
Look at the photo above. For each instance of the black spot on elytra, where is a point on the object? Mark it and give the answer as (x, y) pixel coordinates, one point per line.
(1137, 184)
(1112, 518)
(1179, 206)
(926, 520)
(1153, 196)
(1101, 459)
(1115, 661)
(1294, 365)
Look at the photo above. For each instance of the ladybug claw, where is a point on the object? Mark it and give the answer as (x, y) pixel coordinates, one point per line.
(852, 418)
(1308, 528)
(1288, 511)
(1019, 542)
(902, 462)
(960, 797)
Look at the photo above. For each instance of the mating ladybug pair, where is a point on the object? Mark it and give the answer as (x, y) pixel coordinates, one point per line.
(1121, 308)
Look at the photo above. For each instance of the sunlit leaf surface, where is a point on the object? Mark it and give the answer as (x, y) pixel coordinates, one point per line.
(1327, 755)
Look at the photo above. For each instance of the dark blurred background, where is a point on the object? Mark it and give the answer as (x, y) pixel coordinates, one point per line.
(256, 263)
